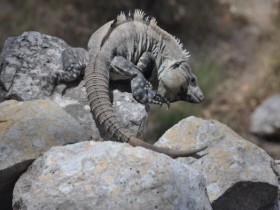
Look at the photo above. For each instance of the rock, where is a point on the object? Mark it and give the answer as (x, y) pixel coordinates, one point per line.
(33, 65)
(276, 167)
(238, 173)
(109, 175)
(129, 112)
(265, 120)
(27, 129)
(30, 63)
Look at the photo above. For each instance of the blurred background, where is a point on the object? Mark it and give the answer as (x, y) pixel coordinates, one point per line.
(234, 46)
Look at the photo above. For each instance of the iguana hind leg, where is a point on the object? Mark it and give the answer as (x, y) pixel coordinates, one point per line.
(74, 62)
(141, 88)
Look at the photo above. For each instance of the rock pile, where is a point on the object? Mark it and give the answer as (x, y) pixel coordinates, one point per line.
(51, 124)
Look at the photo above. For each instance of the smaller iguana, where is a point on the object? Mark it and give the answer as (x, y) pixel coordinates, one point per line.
(132, 47)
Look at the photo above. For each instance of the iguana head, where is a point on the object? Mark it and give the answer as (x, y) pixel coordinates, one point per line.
(178, 83)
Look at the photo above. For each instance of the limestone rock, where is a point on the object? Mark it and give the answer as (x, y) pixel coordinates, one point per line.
(109, 175)
(28, 64)
(130, 113)
(238, 173)
(26, 130)
(265, 120)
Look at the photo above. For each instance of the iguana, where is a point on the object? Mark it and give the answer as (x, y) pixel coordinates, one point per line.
(132, 47)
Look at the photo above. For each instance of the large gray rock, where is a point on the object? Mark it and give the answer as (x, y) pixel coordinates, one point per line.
(30, 63)
(109, 175)
(238, 173)
(27, 129)
(265, 120)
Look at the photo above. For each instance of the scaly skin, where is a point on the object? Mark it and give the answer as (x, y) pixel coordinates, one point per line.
(131, 47)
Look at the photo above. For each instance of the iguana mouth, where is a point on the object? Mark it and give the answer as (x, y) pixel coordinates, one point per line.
(194, 96)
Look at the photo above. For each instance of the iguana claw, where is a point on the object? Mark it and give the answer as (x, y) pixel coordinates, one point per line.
(158, 99)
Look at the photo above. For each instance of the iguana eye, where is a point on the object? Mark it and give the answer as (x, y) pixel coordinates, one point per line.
(175, 65)
(193, 81)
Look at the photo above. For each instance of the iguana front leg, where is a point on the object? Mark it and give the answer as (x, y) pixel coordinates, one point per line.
(74, 62)
(140, 85)
(141, 88)
(146, 62)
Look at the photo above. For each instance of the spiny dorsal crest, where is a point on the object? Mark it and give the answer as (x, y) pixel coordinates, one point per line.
(140, 15)
(137, 15)
(179, 43)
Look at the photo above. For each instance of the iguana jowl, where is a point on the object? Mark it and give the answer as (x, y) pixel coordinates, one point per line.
(134, 48)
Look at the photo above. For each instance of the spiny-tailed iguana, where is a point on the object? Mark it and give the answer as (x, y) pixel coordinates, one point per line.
(132, 47)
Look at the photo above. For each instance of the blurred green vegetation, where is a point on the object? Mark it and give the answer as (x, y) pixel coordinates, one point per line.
(209, 73)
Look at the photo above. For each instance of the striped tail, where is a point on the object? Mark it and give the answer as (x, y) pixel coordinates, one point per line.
(97, 87)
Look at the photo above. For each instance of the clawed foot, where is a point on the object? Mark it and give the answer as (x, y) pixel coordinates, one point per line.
(74, 63)
(159, 99)
(143, 92)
